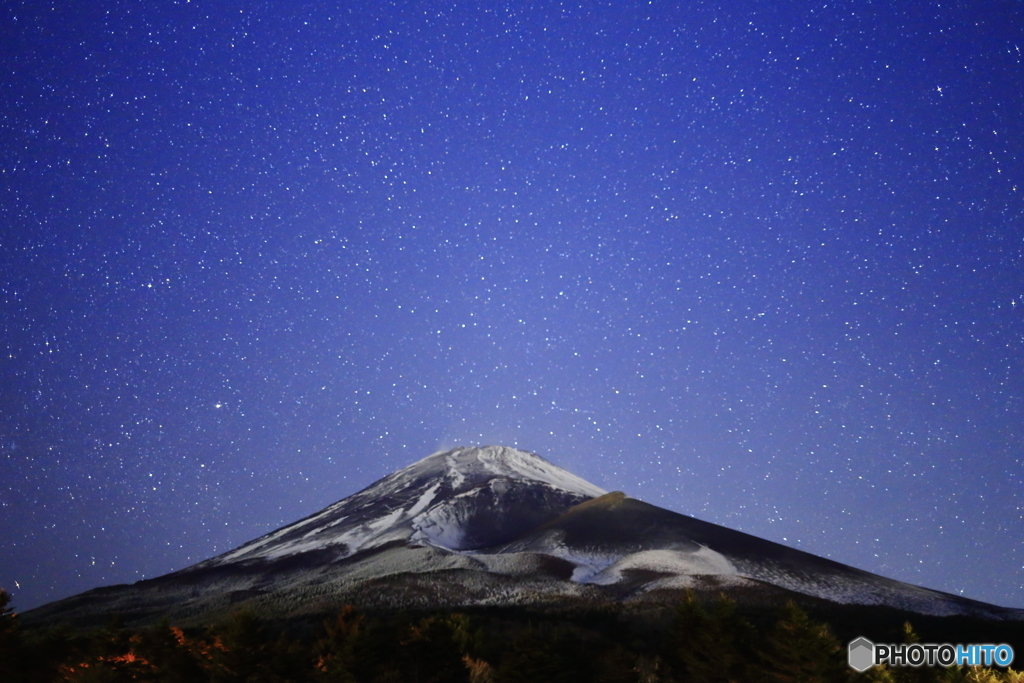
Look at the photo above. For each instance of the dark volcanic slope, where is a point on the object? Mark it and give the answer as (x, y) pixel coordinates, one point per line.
(613, 533)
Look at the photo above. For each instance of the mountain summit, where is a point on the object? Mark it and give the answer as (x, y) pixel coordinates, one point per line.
(462, 499)
(493, 526)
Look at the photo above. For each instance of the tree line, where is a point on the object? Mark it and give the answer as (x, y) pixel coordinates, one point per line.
(699, 644)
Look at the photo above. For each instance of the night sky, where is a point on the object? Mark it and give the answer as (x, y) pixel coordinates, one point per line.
(759, 263)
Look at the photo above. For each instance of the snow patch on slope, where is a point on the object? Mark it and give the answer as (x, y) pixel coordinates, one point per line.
(426, 499)
(665, 561)
(454, 475)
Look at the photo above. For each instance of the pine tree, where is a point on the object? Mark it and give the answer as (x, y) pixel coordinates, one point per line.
(800, 650)
(12, 645)
(709, 647)
(1011, 676)
(916, 674)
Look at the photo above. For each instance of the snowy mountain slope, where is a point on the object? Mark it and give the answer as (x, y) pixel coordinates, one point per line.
(460, 499)
(494, 526)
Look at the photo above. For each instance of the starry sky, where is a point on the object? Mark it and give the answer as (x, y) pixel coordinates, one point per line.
(759, 263)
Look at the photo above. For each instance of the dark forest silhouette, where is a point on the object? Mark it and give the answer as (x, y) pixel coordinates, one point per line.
(701, 643)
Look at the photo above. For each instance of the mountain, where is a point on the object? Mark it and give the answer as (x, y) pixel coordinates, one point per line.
(493, 526)
(464, 499)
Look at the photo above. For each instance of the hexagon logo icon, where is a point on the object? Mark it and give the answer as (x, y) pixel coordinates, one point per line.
(861, 654)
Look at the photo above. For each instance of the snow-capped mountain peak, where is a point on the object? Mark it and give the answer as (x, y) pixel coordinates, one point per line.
(469, 463)
(459, 499)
